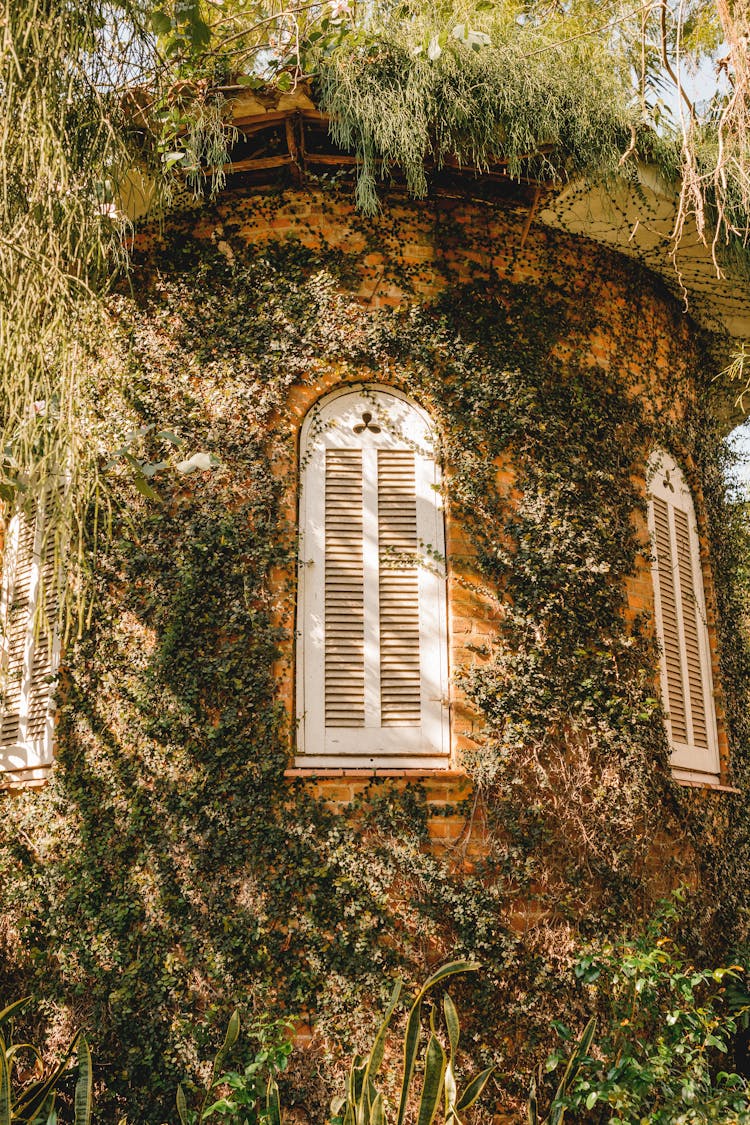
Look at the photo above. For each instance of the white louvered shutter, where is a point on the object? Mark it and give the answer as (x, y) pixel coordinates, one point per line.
(29, 658)
(679, 604)
(372, 644)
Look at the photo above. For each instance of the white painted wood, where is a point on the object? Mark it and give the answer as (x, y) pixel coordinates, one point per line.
(403, 581)
(28, 662)
(679, 603)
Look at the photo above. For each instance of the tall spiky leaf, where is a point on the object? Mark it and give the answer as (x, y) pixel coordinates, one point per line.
(84, 1085)
(474, 1089)
(13, 1009)
(182, 1109)
(6, 1096)
(273, 1102)
(432, 1088)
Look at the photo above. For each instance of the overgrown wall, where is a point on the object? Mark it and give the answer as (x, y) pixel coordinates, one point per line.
(173, 867)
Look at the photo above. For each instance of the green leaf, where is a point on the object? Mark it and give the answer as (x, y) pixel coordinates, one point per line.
(411, 1046)
(160, 22)
(452, 1023)
(5, 1091)
(273, 1103)
(83, 1091)
(13, 1010)
(432, 1088)
(376, 1054)
(531, 1107)
(474, 1089)
(377, 1111)
(448, 970)
(182, 1109)
(146, 490)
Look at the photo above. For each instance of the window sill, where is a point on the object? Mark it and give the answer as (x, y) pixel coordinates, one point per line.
(709, 783)
(310, 773)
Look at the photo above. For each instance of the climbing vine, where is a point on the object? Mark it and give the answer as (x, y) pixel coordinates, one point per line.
(169, 872)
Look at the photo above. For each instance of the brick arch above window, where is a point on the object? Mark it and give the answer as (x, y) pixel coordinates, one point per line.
(372, 654)
(681, 624)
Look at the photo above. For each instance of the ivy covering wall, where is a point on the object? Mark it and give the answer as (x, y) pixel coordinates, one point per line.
(169, 871)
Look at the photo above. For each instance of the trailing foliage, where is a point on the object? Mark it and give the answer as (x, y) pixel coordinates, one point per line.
(542, 106)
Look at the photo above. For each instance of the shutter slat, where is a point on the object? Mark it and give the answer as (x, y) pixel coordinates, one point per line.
(400, 677)
(670, 625)
(691, 625)
(16, 628)
(344, 590)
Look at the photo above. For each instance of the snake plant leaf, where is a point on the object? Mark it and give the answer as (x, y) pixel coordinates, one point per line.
(411, 1038)
(13, 1009)
(182, 1109)
(451, 1092)
(6, 1097)
(378, 1048)
(578, 1054)
(28, 1047)
(432, 1089)
(232, 1034)
(411, 1046)
(447, 970)
(532, 1107)
(474, 1089)
(377, 1111)
(231, 1037)
(452, 1023)
(273, 1102)
(29, 1105)
(82, 1097)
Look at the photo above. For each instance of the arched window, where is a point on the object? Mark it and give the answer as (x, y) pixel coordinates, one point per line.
(680, 610)
(28, 660)
(372, 656)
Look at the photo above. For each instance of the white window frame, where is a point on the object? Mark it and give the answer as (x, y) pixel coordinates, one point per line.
(329, 425)
(28, 760)
(689, 762)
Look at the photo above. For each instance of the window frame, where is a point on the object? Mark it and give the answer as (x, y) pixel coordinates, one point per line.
(379, 747)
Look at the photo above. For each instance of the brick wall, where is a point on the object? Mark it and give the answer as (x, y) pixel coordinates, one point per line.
(420, 248)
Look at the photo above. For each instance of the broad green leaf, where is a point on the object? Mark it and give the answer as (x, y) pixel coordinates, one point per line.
(146, 490)
(432, 1088)
(160, 22)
